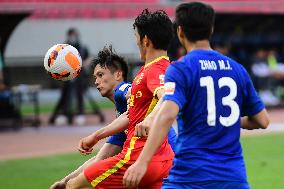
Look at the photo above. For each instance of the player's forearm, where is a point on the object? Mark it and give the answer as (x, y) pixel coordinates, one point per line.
(108, 150)
(158, 132)
(258, 121)
(116, 126)
(250, 124)
(246, 123)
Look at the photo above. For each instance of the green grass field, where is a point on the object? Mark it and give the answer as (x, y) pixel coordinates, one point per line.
(264, 156)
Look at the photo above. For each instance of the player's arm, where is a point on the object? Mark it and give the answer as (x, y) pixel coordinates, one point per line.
(108, 150)
(254, 113)
(159, 130)
(119, 124)
(258, 121)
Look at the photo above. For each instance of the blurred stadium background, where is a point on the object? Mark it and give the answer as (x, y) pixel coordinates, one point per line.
(249, 31)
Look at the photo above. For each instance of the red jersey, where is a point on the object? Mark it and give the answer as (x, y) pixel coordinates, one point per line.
(142, 101)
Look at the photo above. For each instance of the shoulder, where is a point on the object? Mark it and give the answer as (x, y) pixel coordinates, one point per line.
(176, 70)
(164, 63)
(121, 90)
(157, 68)
(181, 71)
(178, 65)
(123, 87)
(161, 64)
(241, 69)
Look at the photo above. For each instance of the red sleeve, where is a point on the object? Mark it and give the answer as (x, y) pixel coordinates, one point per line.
(155, 77)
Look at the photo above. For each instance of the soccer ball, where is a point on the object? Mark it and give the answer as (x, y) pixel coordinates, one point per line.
(63, 62)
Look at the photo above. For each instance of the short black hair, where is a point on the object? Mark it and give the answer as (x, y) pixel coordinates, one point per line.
(107, 58)
(196, 19)
(157, 26)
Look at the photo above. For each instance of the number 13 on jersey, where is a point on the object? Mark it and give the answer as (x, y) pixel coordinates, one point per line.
(228, 100)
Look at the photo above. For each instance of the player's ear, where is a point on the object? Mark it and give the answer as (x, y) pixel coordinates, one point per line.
(118, 75)
(180, 32)
(146, 41)
(181, 35)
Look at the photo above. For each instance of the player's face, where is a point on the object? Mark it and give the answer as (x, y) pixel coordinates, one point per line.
(140, 45)
(105, 81)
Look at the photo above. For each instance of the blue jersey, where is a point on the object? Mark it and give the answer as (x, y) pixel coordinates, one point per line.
(212, 92)
(120, 100)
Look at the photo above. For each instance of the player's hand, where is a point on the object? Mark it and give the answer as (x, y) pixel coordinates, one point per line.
(134, 174)
(86, 144)
(58, 185)
(142, 129)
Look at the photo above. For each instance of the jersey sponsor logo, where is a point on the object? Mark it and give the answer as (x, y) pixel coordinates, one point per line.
(139, 78)
(170, 88)
(162, 79)
(132, 97)
(123, 87)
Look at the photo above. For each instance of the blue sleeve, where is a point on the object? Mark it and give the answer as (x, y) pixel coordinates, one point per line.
(120, 94)
(175, 86)
(125, 91)
(252, 103)
(172, 138)
(117, 139)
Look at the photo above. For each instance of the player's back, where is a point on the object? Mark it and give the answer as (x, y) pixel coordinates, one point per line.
(208, 146)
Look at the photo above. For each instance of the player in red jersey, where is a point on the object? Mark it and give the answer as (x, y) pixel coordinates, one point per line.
(153, 32)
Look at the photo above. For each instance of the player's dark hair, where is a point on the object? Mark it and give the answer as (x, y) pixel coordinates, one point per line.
(107, 58)
(157, 26)
(196, 19)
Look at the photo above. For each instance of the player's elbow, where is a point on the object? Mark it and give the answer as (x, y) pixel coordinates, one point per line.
(168, 117)
(265, 120)
(260, 120)
(168, 111)
(264, 123)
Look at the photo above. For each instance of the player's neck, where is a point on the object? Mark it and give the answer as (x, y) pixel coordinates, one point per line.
(111, 98)
(198, 45)
(154, 54)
